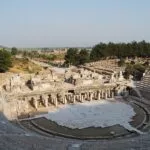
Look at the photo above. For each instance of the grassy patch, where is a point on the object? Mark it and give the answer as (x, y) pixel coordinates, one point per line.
(23, 65)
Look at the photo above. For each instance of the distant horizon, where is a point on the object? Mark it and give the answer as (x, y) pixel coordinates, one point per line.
(51, 47)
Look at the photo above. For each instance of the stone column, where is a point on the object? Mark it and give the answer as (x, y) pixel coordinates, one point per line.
(99, 95)
(55, 101)
(65, 100)
(109, 93)
(35, 102)
(94, 95)
(112, 94)
(27, 105)
(46, 101)
(106, 94)
(74, 99)
(91, 96)
(80, 97)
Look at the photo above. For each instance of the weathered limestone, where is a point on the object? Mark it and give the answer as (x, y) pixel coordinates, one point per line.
(91, 96)
(39, 101)
(87, 83)
(74, 99)
(112, 94)
(106, 95)
(109, 93)
(45, 100)
(65, 100)
(35, 103)
(99, 95)
(55, 101)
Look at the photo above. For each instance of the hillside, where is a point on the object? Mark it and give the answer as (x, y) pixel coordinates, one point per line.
(22, 65)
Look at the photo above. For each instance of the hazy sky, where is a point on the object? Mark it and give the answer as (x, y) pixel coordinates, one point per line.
(60, 23)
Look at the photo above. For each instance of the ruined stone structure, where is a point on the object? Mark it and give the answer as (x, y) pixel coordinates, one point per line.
(24, 96)
(46, 89)
(71, 97)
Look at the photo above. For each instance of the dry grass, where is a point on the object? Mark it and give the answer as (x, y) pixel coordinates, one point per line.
(4, 77)
(24, 66)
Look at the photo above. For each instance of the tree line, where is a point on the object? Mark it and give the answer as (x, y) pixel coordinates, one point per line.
(80, 57)
(110, 50)
(120, 50)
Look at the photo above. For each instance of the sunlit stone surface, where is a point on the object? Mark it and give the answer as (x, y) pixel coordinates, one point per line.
(93, 114)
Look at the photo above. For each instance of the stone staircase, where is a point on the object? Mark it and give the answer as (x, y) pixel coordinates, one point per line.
(144, 84)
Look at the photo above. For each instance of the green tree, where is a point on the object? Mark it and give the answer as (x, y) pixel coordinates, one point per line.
(71, 56)
(128, 71)
(83, 57)
(120, 50)
(97, 52)
(5, 60)
(14, 51)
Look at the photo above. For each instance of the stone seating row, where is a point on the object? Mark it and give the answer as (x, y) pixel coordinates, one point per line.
(144, 84)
